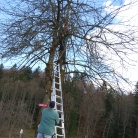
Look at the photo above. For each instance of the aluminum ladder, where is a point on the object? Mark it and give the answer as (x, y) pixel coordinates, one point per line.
(56, 96)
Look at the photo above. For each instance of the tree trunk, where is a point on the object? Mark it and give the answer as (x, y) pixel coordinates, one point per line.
(49, 71)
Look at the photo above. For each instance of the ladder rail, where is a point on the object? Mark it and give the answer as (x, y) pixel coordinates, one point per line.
(56, 96)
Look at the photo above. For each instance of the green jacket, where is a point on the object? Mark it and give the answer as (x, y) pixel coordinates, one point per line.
(49, 119)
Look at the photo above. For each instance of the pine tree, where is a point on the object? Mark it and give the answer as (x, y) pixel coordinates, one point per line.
(136, 109)
(1, 71)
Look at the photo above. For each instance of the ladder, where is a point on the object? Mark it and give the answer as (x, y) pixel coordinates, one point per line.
(56, 96)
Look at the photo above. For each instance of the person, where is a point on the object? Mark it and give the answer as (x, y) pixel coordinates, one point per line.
(49, 120)
(62, 42)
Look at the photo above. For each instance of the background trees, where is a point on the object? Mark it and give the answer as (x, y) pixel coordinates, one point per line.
(19, 98)
(91, 113)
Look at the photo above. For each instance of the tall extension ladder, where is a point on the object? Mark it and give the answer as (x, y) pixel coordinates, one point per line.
(56, 96)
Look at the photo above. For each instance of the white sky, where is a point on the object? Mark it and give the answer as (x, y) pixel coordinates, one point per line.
(129, 16)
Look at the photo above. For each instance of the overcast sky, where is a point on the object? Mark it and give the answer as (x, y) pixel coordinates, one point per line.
(129, 15)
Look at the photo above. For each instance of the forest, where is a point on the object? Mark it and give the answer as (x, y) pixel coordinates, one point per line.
(93, 112)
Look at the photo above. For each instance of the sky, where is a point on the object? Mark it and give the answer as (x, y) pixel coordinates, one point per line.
(130, 15)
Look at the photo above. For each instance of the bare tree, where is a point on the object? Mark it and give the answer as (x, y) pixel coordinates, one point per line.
(31, 33)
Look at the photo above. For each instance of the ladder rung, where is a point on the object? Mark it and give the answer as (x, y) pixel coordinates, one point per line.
(57, 76)
(61, 119)
(56, 71)
(57, 89)
(55, 67)
(60, 127)
(57, 83)
(58, 103)
(59, 135)
(58, 96)
(59, 111)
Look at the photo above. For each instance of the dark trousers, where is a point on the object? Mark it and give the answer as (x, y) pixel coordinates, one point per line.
(62, 51)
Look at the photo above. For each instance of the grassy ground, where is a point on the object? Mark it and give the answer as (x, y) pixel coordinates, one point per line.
(30, 133)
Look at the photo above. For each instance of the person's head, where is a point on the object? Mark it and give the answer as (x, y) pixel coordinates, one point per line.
(66, 26)
(52, 104)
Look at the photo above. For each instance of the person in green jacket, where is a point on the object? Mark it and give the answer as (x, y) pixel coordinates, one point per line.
(49, 120)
